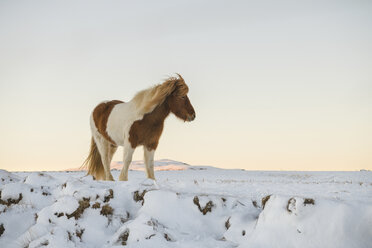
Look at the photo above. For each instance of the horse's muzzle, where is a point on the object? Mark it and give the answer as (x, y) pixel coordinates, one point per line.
(191, 117)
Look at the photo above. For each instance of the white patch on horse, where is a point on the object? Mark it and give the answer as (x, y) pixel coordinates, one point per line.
(120, 120)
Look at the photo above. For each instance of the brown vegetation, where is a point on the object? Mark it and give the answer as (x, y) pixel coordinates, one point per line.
(137, 196)
(264, 201)
(79, 233)
(59, 214)
(2, 229)
(96, 205)
(291, 205)
(11, 201)
(309, 201)
(109, 196)
(208, 207)
(107, 210)
(83, 204)
(167, 237)
(227, 224)
(124, 237)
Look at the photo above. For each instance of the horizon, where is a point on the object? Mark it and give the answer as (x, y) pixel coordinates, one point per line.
(136, 165)
(276, 86)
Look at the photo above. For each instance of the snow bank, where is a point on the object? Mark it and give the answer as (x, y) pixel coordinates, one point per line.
(197, 207)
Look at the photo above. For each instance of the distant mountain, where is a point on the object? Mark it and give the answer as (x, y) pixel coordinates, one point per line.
(159, 165)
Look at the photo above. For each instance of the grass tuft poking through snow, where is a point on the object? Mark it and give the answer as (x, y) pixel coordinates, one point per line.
(139, 197)
(123, 237)
(309, 201)
(2, 229)
(107, 210)
(83, 204)
(207, 208)
(11, 201)
(264, 201)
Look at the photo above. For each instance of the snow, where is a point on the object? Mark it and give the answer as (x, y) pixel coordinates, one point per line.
(188, 206)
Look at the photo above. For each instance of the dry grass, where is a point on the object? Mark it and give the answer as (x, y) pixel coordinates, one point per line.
(83, 204)
(123, 237)
(69, 236)
(109, 196)
(79, 233)
(167, 237)
(227, 224)
(137, 196)
(59, 214)
(208, 207)
(265, 200)
(2, 229)
(309, 201)
(11, 201)
(96, 205)
(291, 205)
(107, 210)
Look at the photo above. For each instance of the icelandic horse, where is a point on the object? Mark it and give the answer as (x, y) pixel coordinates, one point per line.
(135, 123)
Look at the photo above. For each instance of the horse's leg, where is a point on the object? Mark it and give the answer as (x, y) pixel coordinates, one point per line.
(127, 159)
(149, 161)
(106, 152)
(111, 149)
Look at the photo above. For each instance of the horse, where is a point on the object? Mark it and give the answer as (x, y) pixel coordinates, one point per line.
(138, 122)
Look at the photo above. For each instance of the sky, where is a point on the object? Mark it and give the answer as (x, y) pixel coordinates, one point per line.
(276, 85)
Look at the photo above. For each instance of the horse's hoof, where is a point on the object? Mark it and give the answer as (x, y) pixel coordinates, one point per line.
(110, 178)
(123, 178)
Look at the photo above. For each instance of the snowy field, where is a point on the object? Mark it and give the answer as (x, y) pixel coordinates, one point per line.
(188, 206)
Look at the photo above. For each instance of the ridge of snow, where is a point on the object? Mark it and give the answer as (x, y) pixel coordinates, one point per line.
(197, 207)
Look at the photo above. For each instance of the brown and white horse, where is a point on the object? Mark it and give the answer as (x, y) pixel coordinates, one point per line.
(135, 123)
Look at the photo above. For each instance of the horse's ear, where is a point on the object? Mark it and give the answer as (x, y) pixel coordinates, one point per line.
(178, 81)
(180, 78)
(181, 88)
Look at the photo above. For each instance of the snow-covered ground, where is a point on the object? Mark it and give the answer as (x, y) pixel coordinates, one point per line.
(188, 206)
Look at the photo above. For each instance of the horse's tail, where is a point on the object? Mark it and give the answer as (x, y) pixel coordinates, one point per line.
(94, 163)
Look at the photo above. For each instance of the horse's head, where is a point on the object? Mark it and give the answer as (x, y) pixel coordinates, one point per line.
(179, 103)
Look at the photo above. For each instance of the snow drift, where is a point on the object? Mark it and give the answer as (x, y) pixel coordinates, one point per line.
(195, 207)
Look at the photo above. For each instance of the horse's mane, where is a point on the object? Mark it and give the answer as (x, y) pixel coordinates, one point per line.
(147, 100)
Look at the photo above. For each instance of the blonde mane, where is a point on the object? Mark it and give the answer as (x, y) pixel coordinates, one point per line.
(147, 100)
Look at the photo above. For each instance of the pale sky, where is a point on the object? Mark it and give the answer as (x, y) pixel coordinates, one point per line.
(276, 85)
